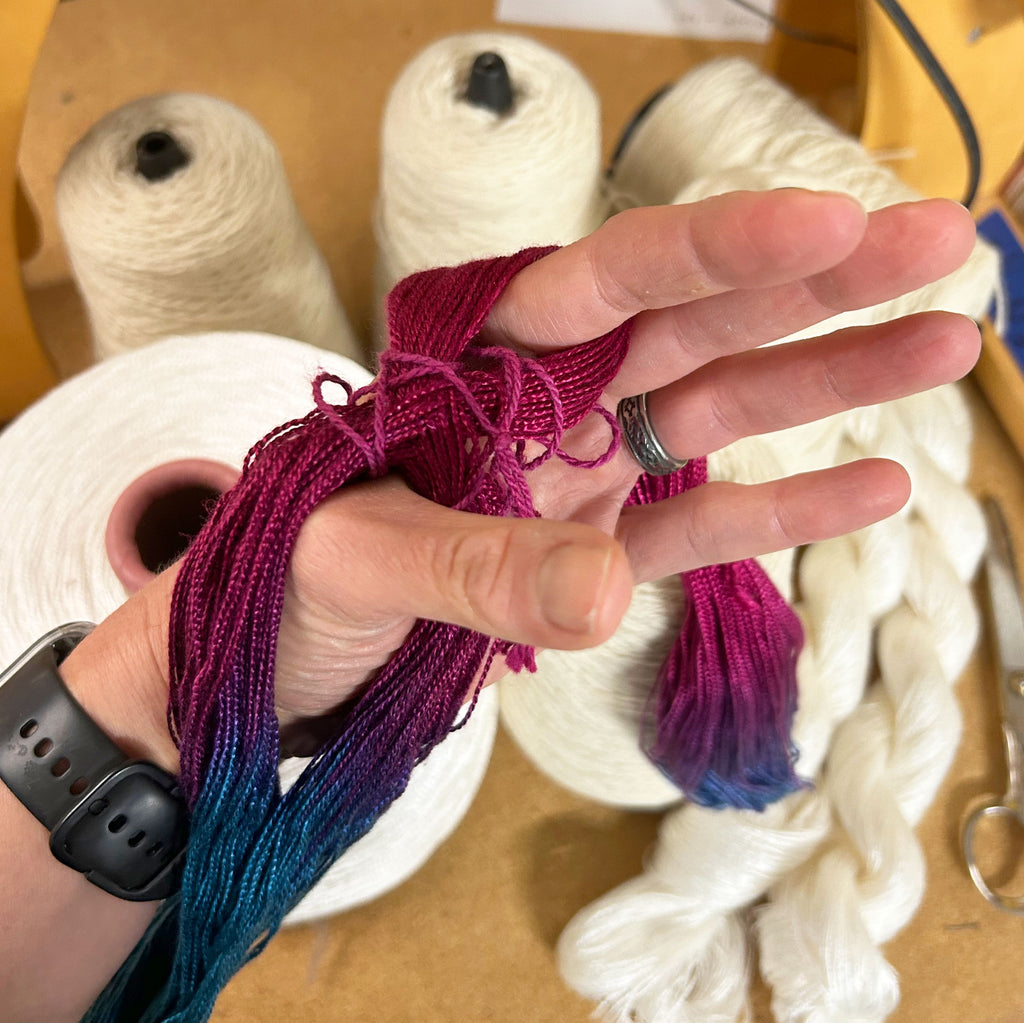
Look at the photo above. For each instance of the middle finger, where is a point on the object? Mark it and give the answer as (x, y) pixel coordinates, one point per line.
(905, 247)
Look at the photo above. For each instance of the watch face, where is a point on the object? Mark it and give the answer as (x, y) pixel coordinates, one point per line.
(128, 834)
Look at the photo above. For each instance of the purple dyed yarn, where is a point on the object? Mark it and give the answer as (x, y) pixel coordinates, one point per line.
(423, 417)
(726, 695)
(456, 419)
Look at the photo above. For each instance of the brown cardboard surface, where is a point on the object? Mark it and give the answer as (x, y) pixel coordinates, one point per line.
(471, 936)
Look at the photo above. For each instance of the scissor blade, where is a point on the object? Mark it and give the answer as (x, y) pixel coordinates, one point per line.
(1007, 613)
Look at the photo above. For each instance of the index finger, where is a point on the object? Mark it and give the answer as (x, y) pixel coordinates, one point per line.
(660, 256)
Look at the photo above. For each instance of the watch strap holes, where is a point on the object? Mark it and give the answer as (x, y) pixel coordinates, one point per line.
(117, 823)
(28, 728)
(43, 747)
(136, 838)
(61, 767)
(78, 786)
(154, 848)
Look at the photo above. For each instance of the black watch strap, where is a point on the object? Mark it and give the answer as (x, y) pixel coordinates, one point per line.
(121, 822)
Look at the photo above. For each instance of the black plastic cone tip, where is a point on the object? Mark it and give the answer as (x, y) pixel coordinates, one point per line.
(158, 155)
(489, 85)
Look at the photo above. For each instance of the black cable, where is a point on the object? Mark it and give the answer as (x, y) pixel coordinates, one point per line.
(946, 90)
(937, 75)
(799, 34)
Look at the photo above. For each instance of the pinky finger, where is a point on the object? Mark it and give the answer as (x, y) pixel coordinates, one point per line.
(721, 521)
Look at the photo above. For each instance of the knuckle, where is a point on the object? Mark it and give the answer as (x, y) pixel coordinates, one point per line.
(783, 530)
(726, 418)
(826, 293)
(834, 388)
(608, 289)
(472, 569)
(700, 528)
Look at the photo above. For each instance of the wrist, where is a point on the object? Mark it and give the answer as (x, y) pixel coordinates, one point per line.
(118, 673)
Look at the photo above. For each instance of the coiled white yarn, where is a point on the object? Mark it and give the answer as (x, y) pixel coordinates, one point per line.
(459, 182)
(65, 461)
(217, 245)
(740, 130)
(887, 761)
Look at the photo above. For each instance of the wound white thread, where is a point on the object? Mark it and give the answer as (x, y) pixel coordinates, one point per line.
(459, 181)
(218, 244)
(67, 459)
(885, 766)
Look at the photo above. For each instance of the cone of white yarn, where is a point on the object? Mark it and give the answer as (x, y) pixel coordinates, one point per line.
(212, 240)
(726, 113)
(67, 460)
(579, 717)
(460, 181)
(847, 585)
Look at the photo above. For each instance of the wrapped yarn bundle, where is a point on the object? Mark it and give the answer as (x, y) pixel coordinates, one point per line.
(178, 219)
(490, 143)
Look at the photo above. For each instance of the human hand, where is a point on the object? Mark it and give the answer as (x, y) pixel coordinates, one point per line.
(707, 283)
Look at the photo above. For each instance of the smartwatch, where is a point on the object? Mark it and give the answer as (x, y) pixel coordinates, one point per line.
(121, 822)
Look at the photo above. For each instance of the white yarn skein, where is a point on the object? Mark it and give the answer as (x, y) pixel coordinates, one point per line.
(887, 762)
(865, 582)
(67, 459)
(884, 769)
(219, 244)
(460, 182)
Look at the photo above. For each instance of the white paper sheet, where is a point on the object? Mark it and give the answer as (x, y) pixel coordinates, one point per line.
(697, 19)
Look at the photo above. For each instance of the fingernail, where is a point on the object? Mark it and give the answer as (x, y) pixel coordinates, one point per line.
(571, 585)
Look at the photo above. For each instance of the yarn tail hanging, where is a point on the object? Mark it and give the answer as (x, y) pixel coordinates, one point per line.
(455, 419)
(726, 695)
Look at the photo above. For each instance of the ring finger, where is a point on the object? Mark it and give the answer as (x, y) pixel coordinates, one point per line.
(771, 389)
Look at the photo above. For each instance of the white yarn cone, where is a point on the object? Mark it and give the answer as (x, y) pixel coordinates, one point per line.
(218, 244)
(728, 114)
(579, 717)
(459, 181)
(67, 459)
(724, 127)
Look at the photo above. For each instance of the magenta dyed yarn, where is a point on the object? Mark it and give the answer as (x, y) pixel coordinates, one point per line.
(459, 421)
(726, 695)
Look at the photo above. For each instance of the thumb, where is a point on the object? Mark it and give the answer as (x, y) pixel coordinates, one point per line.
(546, 583)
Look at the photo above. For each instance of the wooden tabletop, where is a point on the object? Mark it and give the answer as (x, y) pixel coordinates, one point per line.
(471, 936)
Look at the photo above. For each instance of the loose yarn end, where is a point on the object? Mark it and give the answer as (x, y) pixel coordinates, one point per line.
(725, 698)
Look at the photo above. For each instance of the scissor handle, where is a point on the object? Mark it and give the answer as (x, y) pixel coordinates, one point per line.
(1008, 903)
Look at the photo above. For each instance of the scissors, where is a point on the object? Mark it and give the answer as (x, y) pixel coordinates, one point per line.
(1007, 616)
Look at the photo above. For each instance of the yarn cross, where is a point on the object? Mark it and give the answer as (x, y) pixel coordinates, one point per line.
(462, 423)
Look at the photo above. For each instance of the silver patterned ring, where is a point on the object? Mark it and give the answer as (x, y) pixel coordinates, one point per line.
(641, 439)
